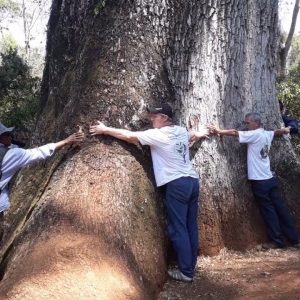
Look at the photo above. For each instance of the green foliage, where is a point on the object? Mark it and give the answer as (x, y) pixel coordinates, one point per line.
(19, 91)
(294, 55)
(8, 43)
(9, 5)
(288, 91)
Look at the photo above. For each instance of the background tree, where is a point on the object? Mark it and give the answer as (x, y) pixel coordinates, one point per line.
(287, 45)
(92, 222)
(294, 55)
(19, 91)
(33, 11)
(9, 9)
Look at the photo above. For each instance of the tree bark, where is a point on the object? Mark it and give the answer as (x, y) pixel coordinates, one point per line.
(93, 211)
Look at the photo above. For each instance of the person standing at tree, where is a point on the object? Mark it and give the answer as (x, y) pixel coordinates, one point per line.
(288, 120)
(13, 159)
(276, 215)
(169, 145)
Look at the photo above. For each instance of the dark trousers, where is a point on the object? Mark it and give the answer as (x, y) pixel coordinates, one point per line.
(182, 211)
(275, 213)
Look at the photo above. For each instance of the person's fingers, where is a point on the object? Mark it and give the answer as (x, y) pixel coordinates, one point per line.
(79, 137)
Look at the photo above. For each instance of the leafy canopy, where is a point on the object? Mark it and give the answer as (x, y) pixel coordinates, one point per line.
(19, 91)
(288, 91)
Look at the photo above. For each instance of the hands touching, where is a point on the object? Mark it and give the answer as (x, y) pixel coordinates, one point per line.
(76, 137)
(213, 130)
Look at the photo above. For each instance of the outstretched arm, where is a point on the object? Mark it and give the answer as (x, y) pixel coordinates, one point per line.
(76, 137)
(29, 156)
(121, 134)
(217, 131)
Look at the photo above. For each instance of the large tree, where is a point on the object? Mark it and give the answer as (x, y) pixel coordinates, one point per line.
(89, 223)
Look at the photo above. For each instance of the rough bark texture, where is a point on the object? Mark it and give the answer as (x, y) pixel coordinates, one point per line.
(89, 223)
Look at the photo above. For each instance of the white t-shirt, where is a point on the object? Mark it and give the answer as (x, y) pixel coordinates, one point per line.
(259, 144)
(170, 153)
(15, 159)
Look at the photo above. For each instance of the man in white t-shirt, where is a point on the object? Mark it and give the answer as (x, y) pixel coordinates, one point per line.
(169, 145)
(14, 158)
(264, 185)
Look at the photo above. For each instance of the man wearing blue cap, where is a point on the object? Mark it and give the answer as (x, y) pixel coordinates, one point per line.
(169, 145)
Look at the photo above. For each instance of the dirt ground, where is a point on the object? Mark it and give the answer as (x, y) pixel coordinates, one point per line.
(273, 274)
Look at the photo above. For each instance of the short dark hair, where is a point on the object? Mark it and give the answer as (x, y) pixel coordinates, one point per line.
(254, 117)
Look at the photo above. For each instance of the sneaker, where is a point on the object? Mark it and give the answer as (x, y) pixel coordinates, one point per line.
(268, 246)
(297, 246)
(177, 275)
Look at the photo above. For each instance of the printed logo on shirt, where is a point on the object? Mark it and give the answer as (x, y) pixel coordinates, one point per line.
(181, 149)
(264, 152)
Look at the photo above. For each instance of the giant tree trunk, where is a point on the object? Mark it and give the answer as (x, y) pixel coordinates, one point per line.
(89, 224)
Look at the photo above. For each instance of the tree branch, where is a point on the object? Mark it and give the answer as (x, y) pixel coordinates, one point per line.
(288, 43)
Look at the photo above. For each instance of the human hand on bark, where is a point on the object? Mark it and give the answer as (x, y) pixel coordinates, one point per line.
(195, 136)
(200, 134)
(76, 137)
(282, 131)
(213, 130)
(97, 129)
(286, 130)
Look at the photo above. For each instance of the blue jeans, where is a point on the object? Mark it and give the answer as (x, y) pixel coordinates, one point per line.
(182, 212)
(275, 213)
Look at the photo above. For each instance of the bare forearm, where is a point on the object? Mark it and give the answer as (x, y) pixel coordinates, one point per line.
(121, 134)
(76, 137)
(60, 144)
(228, 132)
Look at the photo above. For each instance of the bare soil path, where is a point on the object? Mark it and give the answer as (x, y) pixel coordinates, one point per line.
(274, 274)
